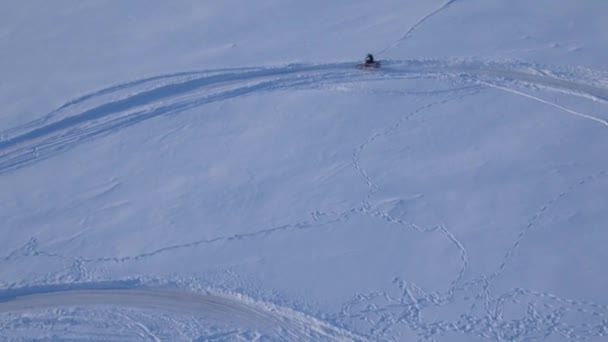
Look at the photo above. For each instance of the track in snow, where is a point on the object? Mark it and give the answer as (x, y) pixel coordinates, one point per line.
(118, 107)
(121, 106)
(419, 23)
(234, 311)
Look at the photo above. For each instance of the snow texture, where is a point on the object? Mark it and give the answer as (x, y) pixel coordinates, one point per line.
(222, 170)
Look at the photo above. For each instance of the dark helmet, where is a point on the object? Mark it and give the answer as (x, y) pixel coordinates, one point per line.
(369, 58)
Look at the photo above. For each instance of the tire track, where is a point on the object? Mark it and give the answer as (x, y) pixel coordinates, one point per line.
(538, 99)
(64, 128)
(231, 310)
(117, 107)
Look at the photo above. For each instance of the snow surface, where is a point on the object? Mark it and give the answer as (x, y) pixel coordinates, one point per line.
(220, 170)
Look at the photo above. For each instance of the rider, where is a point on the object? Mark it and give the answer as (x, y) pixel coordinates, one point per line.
(369, 59)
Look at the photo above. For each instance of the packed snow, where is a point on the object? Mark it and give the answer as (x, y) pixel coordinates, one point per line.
(222, 170)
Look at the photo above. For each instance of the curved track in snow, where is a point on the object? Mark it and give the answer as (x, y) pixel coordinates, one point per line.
(117, 107)
(270, 321)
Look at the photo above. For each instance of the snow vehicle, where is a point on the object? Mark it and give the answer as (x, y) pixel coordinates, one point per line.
(369, 63)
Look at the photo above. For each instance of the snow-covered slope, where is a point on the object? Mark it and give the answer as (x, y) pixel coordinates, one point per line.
(204, 170)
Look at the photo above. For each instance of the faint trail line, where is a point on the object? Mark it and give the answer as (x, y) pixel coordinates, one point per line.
(303, 225)
(410, 311)
(356, 155)
(443, 231)
(368, 206)
(533, 221)
(413, 28)
(538, 99)
(30, 248)
(359, 149)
